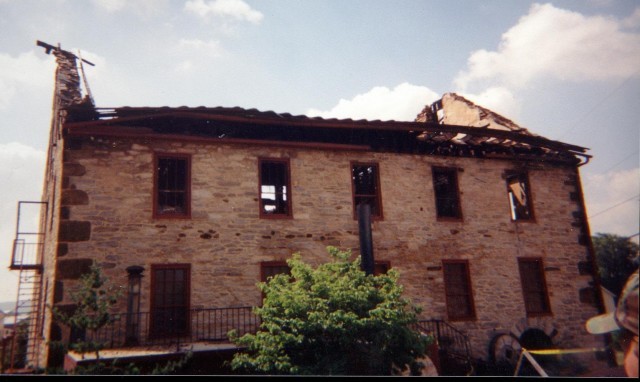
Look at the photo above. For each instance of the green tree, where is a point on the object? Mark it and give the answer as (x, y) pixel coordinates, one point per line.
(615, 258)
(332, 320)
(93, 300)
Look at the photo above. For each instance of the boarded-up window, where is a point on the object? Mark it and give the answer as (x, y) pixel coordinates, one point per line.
(170, 293)
(534, 287)
(445, 186)
(366, 187)
(275, 196)
(457, 285)
(172, 186)
(519, 197)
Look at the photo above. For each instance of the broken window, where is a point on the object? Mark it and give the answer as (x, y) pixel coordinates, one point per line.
(170, 289)
(445, 186)
(275, 198)
(366, 187)
(457, 286)
(519, 197)
(534, 287)
(172, 183)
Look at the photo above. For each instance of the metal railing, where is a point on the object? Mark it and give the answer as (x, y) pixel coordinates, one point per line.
(453, 346)
(183, 326)
(167, 328)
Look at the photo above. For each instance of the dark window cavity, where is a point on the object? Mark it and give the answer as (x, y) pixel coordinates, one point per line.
(275, 194)
(519, 197)
(445, 186)
(457, 285)
(366, 187)
(534, 287)
(172, 197)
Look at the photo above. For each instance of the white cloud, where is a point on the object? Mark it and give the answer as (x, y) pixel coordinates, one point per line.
(211, 47)
(566, 45)
(26, 71)
(140, 7)
(22, 173)
(111, 5)
(498, 99)
(200, 53)
(608, 205)
(402, 103)
(632, 21)
(235, 9)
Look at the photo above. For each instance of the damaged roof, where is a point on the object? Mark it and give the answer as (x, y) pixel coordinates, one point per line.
(239, 125)
(425, 136)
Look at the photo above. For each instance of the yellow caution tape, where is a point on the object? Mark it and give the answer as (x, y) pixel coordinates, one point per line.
(564, 351)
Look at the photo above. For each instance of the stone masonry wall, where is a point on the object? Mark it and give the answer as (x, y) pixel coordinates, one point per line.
(110, 185)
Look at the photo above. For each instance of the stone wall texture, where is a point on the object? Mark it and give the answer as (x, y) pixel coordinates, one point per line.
(110, 196)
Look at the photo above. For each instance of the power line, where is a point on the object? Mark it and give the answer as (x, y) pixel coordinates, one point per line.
(622, 160)
(591, 110)
(614, 206)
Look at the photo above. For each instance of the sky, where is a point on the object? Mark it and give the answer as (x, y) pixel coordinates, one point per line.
(568, 70)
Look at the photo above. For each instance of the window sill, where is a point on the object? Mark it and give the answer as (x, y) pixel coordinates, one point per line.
(276, 217)
(449, 220)
(532, 221)
(171, 217)
(546, 314)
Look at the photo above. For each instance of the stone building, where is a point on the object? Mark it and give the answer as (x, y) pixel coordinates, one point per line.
(187, 208)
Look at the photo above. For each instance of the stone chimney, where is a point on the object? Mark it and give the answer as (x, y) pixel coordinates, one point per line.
(67, 80)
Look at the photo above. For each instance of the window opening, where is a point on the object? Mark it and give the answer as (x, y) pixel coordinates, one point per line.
(381, 267)
(534, 287)
(457, 285)
(170, 299)
(519, 197)
(274, 188)
(366, 187)
(269, 269)
(445, 185)
(172, 186)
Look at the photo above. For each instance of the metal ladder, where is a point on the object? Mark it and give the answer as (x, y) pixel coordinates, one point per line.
(29, 309)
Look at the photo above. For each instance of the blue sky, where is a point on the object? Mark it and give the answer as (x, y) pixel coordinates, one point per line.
(567, 70)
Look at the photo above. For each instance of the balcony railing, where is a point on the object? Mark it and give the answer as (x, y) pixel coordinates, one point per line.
(28, 242)
(182, 326)
(173, 328)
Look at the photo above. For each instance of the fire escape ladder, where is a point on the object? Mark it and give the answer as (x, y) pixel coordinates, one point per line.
(28, 312)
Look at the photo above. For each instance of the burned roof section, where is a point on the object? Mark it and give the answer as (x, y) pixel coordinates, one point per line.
(238, 125)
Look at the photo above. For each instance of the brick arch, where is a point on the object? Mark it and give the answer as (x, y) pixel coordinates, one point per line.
(543, 324)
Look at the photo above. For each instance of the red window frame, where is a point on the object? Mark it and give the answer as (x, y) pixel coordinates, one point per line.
(286, 200)
(458, 290)
(376, 209)
(186, 214)
(534, 286)
(180, 310)
(450, 196)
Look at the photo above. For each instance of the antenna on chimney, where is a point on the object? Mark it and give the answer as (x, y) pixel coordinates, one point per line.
(48, 48)
(84, 79)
